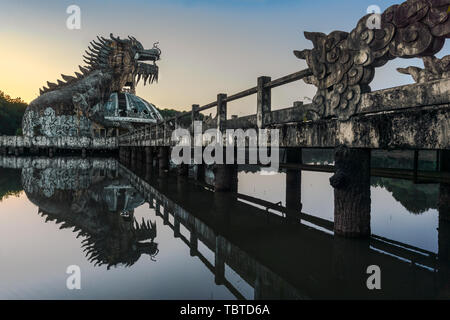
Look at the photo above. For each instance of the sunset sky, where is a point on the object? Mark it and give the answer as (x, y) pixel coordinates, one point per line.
(208, 46)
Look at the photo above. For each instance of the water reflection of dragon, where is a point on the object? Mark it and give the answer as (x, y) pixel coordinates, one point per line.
(95, 213)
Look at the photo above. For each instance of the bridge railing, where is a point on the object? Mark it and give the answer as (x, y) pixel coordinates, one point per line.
(160, 131)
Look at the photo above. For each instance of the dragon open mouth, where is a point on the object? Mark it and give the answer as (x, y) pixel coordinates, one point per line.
(147, 71)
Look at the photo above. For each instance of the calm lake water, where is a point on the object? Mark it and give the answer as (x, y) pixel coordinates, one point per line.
(136, 235)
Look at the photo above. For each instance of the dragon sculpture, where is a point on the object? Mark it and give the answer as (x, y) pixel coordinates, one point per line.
(69, 106)
(343, 64)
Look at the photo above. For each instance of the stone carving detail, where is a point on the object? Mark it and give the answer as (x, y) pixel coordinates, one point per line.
(343, 64)
(435, 69)
(51, 125)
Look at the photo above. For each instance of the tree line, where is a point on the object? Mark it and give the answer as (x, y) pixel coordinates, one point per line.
(12, 110)
(11, 113)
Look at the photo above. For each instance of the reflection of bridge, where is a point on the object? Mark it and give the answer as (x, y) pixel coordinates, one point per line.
(282, 258)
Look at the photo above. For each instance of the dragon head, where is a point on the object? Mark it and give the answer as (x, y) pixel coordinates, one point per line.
(127, 59)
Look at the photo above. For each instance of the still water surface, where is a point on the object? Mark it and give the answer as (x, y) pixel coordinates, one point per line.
(194, 244)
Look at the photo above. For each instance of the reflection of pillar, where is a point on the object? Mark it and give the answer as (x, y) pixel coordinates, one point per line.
(149, 156)
(176, 225)
(444, 160)
(200, 172)
(444, 208)
(219, 266)
(139, 155)
(351, 183)
(158, 208)
(183, 170)
(193, 243)
(150, 201)
(166, 216)
(444, 222)
(148, 171)
(293, 192)
(133, 155)
(225, 177)
(163, 158)
(293, 182)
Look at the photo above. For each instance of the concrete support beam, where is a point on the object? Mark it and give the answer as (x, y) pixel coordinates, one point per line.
(351, 183)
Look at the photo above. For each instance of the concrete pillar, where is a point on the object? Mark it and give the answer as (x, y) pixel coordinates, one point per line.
(225, 177)
(263, 102)
(351, 183)
(83, 153)
(51, 152)
(219, 265)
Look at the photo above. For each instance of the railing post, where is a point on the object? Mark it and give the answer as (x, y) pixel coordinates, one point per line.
(264, 101)
(194, 115)
(221, 112)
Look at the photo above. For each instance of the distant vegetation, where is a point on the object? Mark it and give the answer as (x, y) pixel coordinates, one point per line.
(168, 113)
(11, 113)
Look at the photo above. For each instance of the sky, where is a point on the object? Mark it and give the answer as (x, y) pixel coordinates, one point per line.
(208, 46)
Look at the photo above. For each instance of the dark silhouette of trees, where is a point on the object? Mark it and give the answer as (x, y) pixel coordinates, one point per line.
(11, 113)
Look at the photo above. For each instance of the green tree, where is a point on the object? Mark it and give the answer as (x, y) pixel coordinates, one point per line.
(11, 113)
